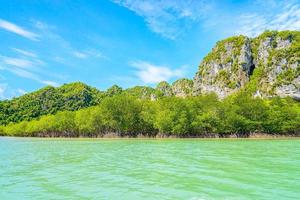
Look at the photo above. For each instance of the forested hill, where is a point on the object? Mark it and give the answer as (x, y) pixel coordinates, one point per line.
(77, 95)
(49, 100)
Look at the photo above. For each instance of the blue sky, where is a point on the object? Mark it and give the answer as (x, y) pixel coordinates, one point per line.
(124, 42)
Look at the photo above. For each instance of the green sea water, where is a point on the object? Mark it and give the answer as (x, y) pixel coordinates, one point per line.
(196, 169)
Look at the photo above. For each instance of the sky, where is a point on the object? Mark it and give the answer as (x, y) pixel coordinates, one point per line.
(123, 42)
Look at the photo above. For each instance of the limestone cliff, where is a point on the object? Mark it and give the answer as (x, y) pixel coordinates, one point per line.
(276, 56)
(165, 88)
(182, 87)
(267, 65)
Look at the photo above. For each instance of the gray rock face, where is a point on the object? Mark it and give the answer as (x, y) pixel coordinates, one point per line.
(288, 90)
(283, 44)
(268, 64)
(182, 87)
(291, 90)
(245, 58)
(279, 62)
(226, 69)
(153, 97)
(263, 51)
(164, 88)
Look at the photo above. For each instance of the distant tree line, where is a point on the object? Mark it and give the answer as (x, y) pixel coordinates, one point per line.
(126, 115)
(68, 97)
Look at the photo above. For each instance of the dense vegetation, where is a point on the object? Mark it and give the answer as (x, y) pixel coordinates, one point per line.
(75, 96)
(126, 115)
(49, 100)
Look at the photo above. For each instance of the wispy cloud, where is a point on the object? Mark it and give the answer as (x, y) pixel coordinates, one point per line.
(88, 53)
(169, 18)
(172, 18)
(95, 53)
(25, 52)
(28, 64)
(6, 92)
(33, 76)
(11, 27)
(149, 73)
(23, 73)
(287, 19)
(80, 55)
(52, 83)
(25, 68)
(17, 62)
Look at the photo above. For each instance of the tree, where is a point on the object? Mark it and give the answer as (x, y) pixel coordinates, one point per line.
(122, 114)
(114, 90)
(173, 117)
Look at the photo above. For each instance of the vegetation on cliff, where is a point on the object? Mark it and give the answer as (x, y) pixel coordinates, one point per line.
(268, 65)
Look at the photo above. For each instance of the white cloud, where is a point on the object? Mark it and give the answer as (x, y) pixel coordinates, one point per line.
(171, 18)
(287, 19)
(24, 68)
(21, 91)
(30, 75)
(88, 53)
(149, 73)
(8, 26)
(168, 18)
(7, 92)
(52, 83)
(80, 55)
(25, 52)
(95, 53)
(41, 25)
(17, 62)
(23, 73)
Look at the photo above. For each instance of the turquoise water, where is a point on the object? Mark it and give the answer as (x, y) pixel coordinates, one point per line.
(149, 169)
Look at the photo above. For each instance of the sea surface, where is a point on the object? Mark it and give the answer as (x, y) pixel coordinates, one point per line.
(195, 169)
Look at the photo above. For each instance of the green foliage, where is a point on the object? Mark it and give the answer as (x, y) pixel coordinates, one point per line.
(235, 41)
(49, 100)
(183, 85)
(224, 77)
(171, 120)
(286, 77)
(114, 90)
(163, 89)
(140, 92)
(125, 115)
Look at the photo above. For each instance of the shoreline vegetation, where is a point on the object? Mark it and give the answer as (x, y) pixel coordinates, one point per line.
(255, 136)
(238, 116)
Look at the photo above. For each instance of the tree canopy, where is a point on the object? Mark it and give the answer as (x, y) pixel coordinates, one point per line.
(127, 115)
